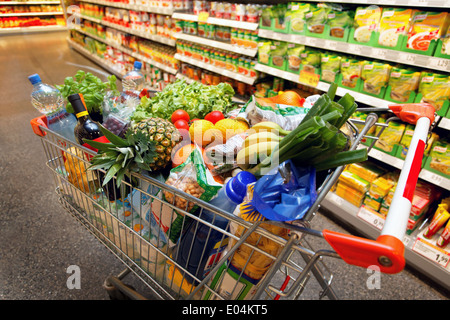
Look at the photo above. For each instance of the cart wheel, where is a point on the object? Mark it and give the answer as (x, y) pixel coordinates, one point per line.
(116, 294)
(117, 290)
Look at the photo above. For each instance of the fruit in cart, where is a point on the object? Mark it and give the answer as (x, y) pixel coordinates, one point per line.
(268, 126)
(263, 136)
(76, 169)
(255, 153)
(203, 132)
(229, 127)
(291, 98)
(163, 134)
(180, 115)
(214, 116)
(181, 154)
(181, 124)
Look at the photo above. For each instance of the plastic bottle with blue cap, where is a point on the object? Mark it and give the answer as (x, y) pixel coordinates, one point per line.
(49, 101)
(134, 80)
(200, 246)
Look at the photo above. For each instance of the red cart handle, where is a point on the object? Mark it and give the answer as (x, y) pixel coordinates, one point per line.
(36, 123)
(387, 252)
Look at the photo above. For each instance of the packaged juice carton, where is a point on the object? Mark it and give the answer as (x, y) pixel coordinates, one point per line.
(425, 27)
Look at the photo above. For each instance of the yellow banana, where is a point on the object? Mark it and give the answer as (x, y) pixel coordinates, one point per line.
(263, 136)
(255, 153)
(268, 126)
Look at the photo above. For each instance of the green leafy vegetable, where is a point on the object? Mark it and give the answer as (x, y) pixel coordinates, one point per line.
(90, 86)
(196, 99)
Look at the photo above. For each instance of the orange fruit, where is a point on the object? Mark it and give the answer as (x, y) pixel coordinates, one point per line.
(229, 127)
(198, 130)
(181, 154)
(291, 98)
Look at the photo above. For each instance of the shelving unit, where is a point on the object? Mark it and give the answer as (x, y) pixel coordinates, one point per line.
(212, 68)
(216, 21)
(419, 60)
(422, 256)
(135, 7)
(29, 14)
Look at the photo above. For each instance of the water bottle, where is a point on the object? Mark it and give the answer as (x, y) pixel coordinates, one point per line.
(200, 246)
(49, 101)
(134, 80)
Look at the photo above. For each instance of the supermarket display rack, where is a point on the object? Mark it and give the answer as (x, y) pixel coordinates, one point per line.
(338, 206)
(32, 29)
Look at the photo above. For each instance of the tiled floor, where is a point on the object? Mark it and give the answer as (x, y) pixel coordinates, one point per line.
(39, 241)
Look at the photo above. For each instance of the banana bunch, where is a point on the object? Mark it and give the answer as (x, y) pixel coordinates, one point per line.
(259, 144)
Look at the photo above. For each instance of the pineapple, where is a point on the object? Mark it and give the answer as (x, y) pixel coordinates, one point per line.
(164, 135)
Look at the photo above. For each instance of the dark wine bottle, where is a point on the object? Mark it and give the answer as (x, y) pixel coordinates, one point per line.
(86, 128)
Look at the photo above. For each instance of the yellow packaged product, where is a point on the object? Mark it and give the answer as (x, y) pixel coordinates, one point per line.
(403, 82)
(366, 170)
(354, 181)
(434, 88)
(371, 202)
(391, 136)
(350, 194)
(425, 27)
(380, 188)
(375, 76)
(393, 23)
(367, 19)
(440, 156)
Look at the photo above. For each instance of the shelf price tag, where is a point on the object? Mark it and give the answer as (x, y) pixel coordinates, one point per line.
(432, 252)
(309, 78)
(203, 16)
(372, 217)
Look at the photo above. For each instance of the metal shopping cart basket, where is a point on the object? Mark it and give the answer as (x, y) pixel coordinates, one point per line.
(126, 229)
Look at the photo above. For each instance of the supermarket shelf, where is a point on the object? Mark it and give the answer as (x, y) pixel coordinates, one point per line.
(216, 44)
(397, 3)
(26, 14)
(145, 35)
(28, 2)
(130, 52)
(395, 162)
(109, 67)
(212, 68)
(370, 227)
(323, 86)
(419, 60)
(217, 21)
(4, 31)
(135, 7)
(444, 123)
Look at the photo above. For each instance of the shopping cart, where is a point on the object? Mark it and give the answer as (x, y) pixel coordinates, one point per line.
(127, 226)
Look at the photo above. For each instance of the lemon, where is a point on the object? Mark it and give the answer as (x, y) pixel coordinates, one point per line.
(201, 133)
(230, 127)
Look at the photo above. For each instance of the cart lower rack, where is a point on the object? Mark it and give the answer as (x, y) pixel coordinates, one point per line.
(133, 227)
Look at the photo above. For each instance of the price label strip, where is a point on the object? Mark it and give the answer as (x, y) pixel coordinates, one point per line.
(372, 217)
(432, 252)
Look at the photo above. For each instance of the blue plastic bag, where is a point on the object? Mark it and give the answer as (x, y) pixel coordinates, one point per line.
(286, 193)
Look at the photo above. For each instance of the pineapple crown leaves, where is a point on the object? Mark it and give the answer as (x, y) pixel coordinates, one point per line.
(121, 156)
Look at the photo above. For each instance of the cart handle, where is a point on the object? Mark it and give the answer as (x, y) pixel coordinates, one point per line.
(387, 252)
(38, 122)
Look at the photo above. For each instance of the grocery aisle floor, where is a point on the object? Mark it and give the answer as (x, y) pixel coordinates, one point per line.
(39, 241)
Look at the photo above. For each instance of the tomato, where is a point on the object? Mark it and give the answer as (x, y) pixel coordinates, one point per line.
(214, 116)
(180, 115)
(181, 124)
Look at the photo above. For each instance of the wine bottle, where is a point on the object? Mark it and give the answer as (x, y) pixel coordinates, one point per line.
(86, 128)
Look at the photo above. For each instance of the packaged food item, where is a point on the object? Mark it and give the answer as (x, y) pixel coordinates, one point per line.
(425, 27)
(279, 15)
(445, 49)
(367, 20)
(278, 51)
(375, 76)
(339, 19)
(391, 136)
(440, 156)
(402, 83)
(444, 237)
(191, 177)
(354, 181)
(293, 52)
(263, 51)
(439, 219)
(77, 173)
(266, 17)
(311, 60)
(351, 195)
(434, 88)
(393, 22)
(316, 18)
(366, 170)
(330, 66)
(296, 15)
(350, 71)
